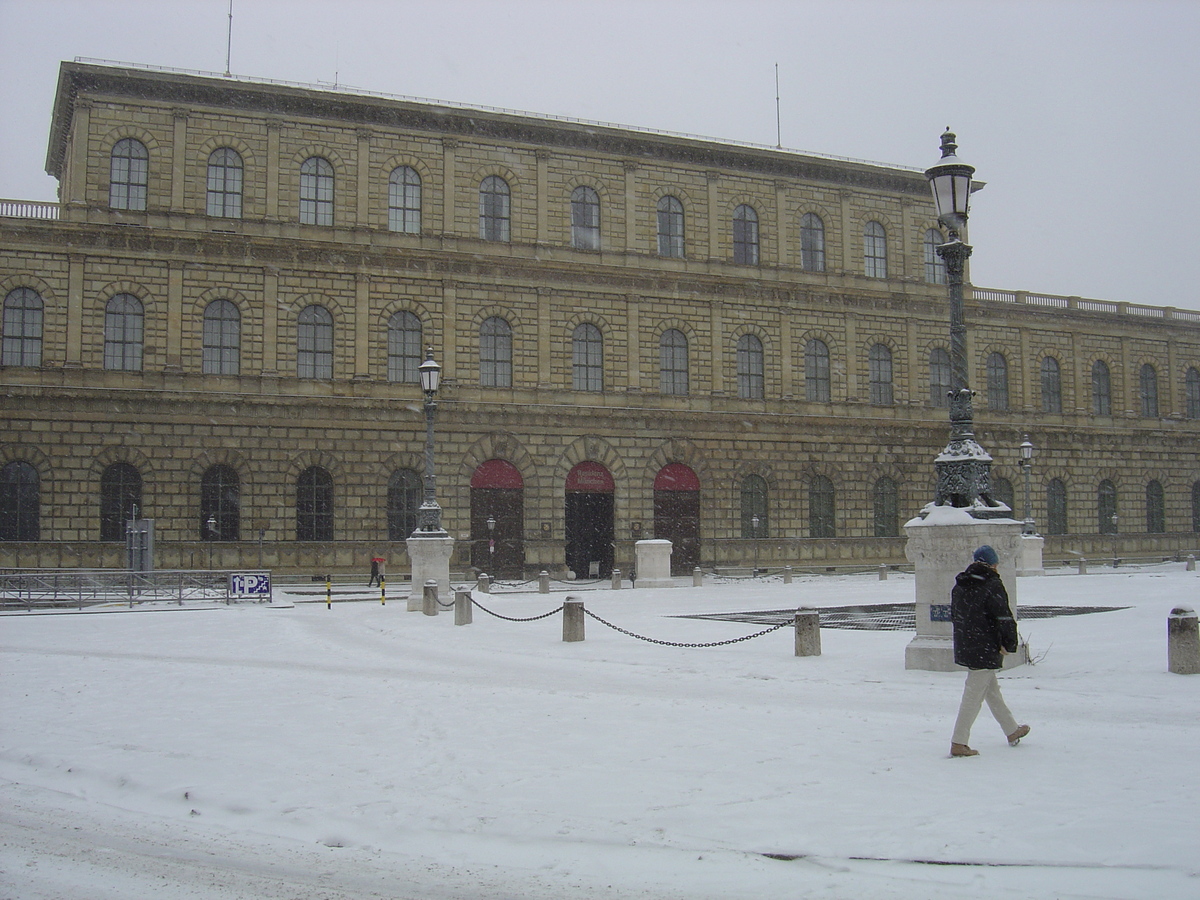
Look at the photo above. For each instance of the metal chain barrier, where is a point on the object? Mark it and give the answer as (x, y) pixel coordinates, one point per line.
(651, 640)
(552, 612)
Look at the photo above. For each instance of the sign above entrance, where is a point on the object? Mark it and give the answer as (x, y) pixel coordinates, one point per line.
(497, 473)
(676, 477)
(590, 476)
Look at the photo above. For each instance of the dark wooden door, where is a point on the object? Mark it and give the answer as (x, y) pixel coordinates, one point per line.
(589, 533)
(677, 519)
(499, 551)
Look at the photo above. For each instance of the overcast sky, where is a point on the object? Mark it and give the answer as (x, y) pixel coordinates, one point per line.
(1082, 117)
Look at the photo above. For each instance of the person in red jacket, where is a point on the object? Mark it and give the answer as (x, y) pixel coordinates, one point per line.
(984, 632)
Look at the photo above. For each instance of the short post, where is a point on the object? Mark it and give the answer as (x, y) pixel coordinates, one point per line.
(572, 619)
(616, 579)
(543, 582)
(882, 572)
(382, 591)
(429, 599)
(808, 632)
(697, 577)
(1183, 641)
(787, 574)
(328, 592)
(1082, 570)
(483, 583)
(1191, 563)
(462, 608)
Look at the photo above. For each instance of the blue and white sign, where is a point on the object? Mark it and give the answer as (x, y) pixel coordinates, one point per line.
(250, 584)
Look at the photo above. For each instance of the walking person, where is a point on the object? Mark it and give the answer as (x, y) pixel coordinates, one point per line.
(984, 633)
(374, 571)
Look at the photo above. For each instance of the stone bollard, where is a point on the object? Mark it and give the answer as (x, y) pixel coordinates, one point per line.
(1191, 563)
(616, 579)
(429, 599)
(808, 632)
(883, 573)
(483, 583)
(697, 577)
(1183, 641)
(462, 608)
(543, 582)
(572, 619)
(1082, 570)
(787, 574)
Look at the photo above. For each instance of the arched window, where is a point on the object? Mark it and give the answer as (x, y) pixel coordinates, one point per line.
(585, 218)
(128, 173)
(314, 343)
(20, 503)
(750, 368)
(494, 209)
(222, 338)
(1002, 490)
(935, 266)
(22, 328)
(1156, 517)
(404, 200)
(404, 347)
(495, 353)
(120, 499)
(754, 506)
(997, 382)
(1106, 507)
(874, 251)
(314, 505)
(1148, 389)
(812, 243)
(887, 508)
(220, 504)
(1101, 389)
(224, 183)
(673, 362)
(670, 227)
(1051, 385)
(587, 358)
(817, 386)
(123, 328)
(745, 236)
(879, 364)
(1192, 393)
(821, 508)
(316, 192)
(1056, 507)
(404, 496)
(939, 377)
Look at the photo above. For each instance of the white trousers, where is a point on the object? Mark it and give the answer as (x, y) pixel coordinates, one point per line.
(981, 685)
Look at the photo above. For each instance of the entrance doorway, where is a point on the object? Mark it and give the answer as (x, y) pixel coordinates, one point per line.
(589, 518)
(498, 519)
(677, 515)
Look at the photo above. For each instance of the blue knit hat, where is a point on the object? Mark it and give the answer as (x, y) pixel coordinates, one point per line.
(987, 555)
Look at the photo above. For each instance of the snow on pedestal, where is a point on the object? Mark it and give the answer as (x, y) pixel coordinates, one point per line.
(941, 545)
(653, 564)
(430, 554)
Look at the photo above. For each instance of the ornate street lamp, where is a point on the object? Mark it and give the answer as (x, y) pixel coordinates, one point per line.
(1027, 468)
(963, 467)
(491, 525)
(211, 525)
(429, 516)
(754, 520)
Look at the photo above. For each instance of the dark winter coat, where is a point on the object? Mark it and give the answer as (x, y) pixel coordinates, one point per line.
(983, 620)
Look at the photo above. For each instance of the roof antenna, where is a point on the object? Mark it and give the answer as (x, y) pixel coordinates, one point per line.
(778, 127)
(229, 40)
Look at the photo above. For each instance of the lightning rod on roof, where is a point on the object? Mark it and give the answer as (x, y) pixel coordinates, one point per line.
(778, 127)
(229, 41)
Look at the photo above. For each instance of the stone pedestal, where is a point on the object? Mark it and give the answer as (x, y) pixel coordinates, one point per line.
(653, 564)
(1029, 557)
(430, 554)
(940, 546)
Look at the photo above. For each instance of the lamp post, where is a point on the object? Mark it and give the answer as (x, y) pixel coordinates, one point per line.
(754, 520)
(1027, 468)
(1114, 534)
(429, 516)
(963, 466)
(211, 525)
(491, 524)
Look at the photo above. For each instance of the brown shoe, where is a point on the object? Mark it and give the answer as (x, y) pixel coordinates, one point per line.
(1015, 737)
(962, 750)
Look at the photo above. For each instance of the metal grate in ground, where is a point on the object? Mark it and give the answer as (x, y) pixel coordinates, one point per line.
(883, 616)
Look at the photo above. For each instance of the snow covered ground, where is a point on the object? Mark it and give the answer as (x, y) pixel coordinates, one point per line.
(365, 751)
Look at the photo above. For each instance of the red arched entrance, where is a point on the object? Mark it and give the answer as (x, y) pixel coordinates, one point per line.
(589, 518)
(677, 515)
(498, 494)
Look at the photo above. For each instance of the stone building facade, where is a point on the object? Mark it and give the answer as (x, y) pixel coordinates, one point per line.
(739, 348)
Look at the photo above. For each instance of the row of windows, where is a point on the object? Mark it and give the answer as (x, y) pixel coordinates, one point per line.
(220, 505)
(221, 355)
(129, 173)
